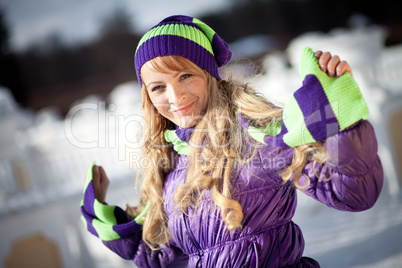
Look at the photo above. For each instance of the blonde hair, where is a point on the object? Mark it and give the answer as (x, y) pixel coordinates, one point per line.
(218, 139)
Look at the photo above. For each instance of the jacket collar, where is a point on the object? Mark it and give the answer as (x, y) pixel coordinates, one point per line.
(179, 137)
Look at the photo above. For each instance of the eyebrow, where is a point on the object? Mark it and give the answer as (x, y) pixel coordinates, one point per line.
(153, 82)
(156, 82)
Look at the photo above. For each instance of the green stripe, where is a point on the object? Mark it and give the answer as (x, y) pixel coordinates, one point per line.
(88, 178)
(104, 212)
(105, 231)
(85, 222)
(260, 133)
(105, 221)
(343, 93)
(294, 121)
(256, 134)
(208, 31)
(186, 31)
(181, 147)
(143, 213)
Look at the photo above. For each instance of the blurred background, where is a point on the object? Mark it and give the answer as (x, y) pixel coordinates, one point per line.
(69, 97)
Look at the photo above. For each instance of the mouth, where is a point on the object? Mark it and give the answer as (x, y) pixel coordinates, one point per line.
(184, 109)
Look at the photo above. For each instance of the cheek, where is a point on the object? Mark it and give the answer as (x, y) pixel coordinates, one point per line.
(204, 97)
(154, 104)
(158, 105)
(158, 101)
(200, 90)
(162, 109)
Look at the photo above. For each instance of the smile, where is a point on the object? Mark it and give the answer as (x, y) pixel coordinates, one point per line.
(184, 109)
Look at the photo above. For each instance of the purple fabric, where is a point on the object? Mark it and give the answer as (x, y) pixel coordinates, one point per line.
(319, 117)
(278, 140)
(318, 114)
(124, 226)
(356, 171)
(223, 53)
(88, 219)
(164, 45)
(88, 211)
(268, 204)
(182, 19)
(184, 133)
(89, 198)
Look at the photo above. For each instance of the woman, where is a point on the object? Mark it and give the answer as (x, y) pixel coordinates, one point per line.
(226, 163)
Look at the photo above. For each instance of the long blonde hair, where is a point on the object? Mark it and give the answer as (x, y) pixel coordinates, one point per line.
(222, 139)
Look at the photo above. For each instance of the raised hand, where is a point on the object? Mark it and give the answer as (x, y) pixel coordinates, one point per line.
(332, 64)
(101, 183)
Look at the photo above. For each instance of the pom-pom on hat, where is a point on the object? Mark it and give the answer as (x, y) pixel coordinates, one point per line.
(187, 37)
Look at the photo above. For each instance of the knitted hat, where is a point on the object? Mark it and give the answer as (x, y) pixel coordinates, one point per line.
(187, 37)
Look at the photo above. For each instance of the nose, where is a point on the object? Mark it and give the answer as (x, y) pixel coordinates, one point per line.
(176, 94)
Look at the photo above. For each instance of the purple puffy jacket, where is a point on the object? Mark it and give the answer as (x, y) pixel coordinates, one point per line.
(268, 238)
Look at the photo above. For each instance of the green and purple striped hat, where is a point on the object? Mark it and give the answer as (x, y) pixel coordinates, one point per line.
(187, 37)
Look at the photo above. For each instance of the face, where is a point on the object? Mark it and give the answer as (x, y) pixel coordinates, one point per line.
(180, 96)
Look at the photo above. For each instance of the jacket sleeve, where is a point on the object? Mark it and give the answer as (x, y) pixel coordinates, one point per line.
(352, 179)
(123, 235)
(132, 247)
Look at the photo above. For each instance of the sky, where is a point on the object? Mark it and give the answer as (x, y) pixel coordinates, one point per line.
(79, 20)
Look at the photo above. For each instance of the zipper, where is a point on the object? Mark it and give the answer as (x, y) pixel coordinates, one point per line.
(195, 244)
(256, 254)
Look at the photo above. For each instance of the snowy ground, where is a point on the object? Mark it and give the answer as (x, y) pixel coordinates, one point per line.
(367, 239)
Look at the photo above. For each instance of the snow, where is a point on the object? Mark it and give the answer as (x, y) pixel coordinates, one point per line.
(343, 239)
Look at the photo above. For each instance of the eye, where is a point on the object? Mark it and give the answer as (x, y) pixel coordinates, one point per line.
(185, 76)
(156, 88)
